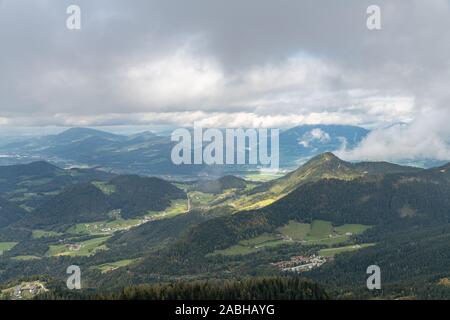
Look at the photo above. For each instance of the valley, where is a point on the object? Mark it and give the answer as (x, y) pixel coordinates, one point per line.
(324, 221)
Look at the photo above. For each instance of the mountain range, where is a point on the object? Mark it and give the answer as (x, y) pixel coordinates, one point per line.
(150, 154)
(126, 229)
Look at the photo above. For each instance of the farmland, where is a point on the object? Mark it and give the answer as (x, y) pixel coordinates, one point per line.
(84, 248)
(318, 232)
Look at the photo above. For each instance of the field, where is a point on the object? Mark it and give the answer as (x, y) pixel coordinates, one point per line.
(330, 252)
(201, 199)
(253, 202)
(103, 227)
(118, 224)
(235, 251)
(84, 248)
(37, 234)
(260, 240)
(263, 176)
(107, 189)
(107, 267)
(319, 229)
(295, 230)
(252, 245)
(317, 233)
(25, 258)
(5, 246)
(176, 207)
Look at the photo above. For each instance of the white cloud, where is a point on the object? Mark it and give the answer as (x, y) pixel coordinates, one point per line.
(231, 64)
(316, 134)
(177, 79)
(427, 137)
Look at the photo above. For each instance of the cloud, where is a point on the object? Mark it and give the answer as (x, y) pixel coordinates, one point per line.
(231, 63)
(428, 137)
(316, 134)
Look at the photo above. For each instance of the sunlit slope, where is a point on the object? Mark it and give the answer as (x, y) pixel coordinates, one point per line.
(324, 166)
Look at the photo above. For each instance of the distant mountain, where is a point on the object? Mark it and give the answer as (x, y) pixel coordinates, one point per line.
(303, 142)
(48, 145)
(78, 134)
(150, 154)
(144, 153)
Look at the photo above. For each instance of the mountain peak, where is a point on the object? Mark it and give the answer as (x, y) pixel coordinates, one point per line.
(325, 157)
(329, 156)
(79, 133)
(81, 130)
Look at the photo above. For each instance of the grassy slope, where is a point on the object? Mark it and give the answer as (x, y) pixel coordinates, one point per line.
(88, 248)
(5, 246)
(317, 233)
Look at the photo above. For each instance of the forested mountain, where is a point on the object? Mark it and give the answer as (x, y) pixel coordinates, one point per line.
(414, 262)
(30, 185)
(76, 204)
(328, 166)
(341, 193)
(10, 213)
(395, 216)
(130, 196)
(134, 195)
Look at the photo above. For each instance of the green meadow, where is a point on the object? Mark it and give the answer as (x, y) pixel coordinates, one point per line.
(331, 252)
(86, 248)
(5, 246)
(318, 232)
(107, 267)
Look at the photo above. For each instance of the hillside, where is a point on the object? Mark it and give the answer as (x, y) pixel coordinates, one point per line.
(130, 196)
(30, 185)
(414, 261)
(131, 229)
(10, 213)
(135, 195)
(417, 197)
(328, 166)
(220, 185)
(35, 169)
(324, 166)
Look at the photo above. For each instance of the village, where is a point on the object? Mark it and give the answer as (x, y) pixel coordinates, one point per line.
(301, 263)
(25, 290)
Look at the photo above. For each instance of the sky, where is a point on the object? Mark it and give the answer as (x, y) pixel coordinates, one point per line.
(251, 63)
